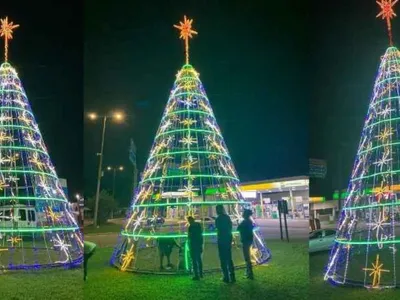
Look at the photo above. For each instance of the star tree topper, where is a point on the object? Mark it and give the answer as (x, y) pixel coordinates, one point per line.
(186, 32)
(387, 13)
(6, 31)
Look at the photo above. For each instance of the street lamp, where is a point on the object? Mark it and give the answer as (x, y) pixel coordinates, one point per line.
(117, 116)
(114, 169)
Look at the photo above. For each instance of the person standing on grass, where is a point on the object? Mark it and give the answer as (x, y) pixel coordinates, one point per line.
(223, 224)
(89, 249)
(246, 236)
(165, 246)
(195, 237)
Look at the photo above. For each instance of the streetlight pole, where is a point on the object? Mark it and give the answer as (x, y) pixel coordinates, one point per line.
(114, 169)
(119, 117)
(114, 173)
(96, 209)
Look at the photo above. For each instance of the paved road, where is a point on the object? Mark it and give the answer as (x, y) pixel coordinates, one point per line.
(298, 229)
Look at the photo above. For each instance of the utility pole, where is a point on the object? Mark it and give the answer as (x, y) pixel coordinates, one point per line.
(99, 173)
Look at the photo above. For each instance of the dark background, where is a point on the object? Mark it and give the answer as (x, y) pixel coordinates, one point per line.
(347, 43)
(280, 76)
(47, 53)
(251, 60)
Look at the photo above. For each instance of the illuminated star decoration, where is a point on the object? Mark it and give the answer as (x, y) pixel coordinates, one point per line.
(165, 125)
(24, 118)
(35, 159)
(387, 13)
(20, 102)
(378, 226)
(52, 215)
(6, 31)
(376, 272)
(4, 137)
(127, 258)
(254, 254)
(386, 111)
(385, 134)
(11, 178)
(59, 243)
(13, 159)
(188, 122)
(383, 161)
(5, 117)
(4, 160)
(212, 156)
(382, 192)
(3, 184)
(186, 32)
(188, 165)
(188, 140)
(189, 190)
(14, 240)
(188, 103)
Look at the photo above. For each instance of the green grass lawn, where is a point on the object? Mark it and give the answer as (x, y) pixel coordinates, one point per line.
(324, 290)
(105, 228)
(285, 277)
(55, 284)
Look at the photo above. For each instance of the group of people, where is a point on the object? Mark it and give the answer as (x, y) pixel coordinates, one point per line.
(223, 225)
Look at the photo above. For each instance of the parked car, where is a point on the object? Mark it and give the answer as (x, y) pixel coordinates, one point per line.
(321, 240)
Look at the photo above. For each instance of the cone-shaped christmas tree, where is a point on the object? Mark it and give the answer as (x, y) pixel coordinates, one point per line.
(37, 228)
(188, 172)
(365, 251)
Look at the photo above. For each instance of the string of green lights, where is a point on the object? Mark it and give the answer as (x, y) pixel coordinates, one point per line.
(10, 108)
(169, 235)
(38, 229)
(23, 148)
(375, 174)
(379, 146)
(194, 111)
(31, 172)
(190, 151)
(372, 205)
(366, 242)
(194, 175)
(35, 198)
(205, 203)
(186, 130)
(383, 120)
(17, 127)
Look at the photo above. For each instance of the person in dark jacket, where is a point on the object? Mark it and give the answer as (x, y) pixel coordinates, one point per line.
(195, 237)
(165, 246)
(246, 236)
(223, 224)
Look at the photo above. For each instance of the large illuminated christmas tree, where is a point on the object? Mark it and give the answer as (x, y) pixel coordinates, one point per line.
(366, 247)
(188, 172)
(37, 228)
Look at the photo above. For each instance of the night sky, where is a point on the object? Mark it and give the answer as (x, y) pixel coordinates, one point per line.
(47, 54)
(251, 61)
(286, 81)
(347, 44)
